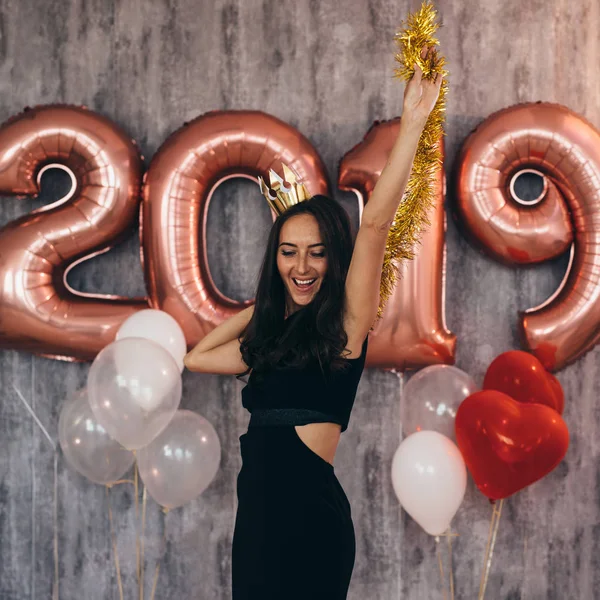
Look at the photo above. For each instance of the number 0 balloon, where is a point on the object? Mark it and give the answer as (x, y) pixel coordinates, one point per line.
(177, 193)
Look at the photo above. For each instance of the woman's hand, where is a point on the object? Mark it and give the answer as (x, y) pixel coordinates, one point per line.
(421, 94)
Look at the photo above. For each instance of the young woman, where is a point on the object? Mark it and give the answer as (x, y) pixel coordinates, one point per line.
(305, 342)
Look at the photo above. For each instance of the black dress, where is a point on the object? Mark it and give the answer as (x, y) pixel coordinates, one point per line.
(293, 536)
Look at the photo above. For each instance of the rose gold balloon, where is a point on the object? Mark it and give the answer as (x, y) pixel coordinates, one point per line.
(412, 332)
(565, 150)
(39, 312)
(177, 192)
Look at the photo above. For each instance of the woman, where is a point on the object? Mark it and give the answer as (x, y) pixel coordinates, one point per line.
(305, 342)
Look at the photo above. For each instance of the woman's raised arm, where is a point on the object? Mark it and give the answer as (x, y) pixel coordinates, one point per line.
(364, 274)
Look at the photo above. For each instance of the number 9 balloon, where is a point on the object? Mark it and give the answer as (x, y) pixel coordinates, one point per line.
(564, 149)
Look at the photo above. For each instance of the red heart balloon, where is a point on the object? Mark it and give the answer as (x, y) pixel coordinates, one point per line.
(558, 392)
(522, 376)
(508, 445)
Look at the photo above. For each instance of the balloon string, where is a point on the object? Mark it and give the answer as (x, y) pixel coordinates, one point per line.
(55, 584)
(441, 566)
(35, 417)
(400, 376)
(144, 495)
(449, 535)
(162, 552)
(114, 543)
(487, 561)
(449, 539)
(137, 517)
(120, 481)
(55, 527)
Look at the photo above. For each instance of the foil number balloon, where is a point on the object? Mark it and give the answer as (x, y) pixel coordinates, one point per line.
(178, 188)
(39, 312)
(565, 150)
(412, 332)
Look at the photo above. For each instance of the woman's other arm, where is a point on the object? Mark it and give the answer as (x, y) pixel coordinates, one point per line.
(219, 351)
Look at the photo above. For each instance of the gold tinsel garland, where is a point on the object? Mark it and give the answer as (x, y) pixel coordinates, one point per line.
(412, 215)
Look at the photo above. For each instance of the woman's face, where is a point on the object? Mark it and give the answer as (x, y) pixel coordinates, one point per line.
(301, 260)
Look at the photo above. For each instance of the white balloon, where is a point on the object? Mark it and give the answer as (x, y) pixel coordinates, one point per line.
(134, 388)
(158, 326)
(431, 398)
(86, 445)
(181, 461)
(430, 479)
(148, 369)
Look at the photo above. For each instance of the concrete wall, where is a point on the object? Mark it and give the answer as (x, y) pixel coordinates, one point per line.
(324, 67)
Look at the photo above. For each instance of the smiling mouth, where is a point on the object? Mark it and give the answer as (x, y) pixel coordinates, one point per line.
(304, 285)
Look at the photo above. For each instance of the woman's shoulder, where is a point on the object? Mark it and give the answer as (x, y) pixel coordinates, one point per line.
(357, 348)
(357, 339)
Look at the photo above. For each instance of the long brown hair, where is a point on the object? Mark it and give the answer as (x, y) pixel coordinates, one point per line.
(316, 332)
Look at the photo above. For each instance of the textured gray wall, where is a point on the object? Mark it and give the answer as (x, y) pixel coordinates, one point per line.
(325, 67)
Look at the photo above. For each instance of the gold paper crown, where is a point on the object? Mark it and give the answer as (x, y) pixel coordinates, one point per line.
(281, 194)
